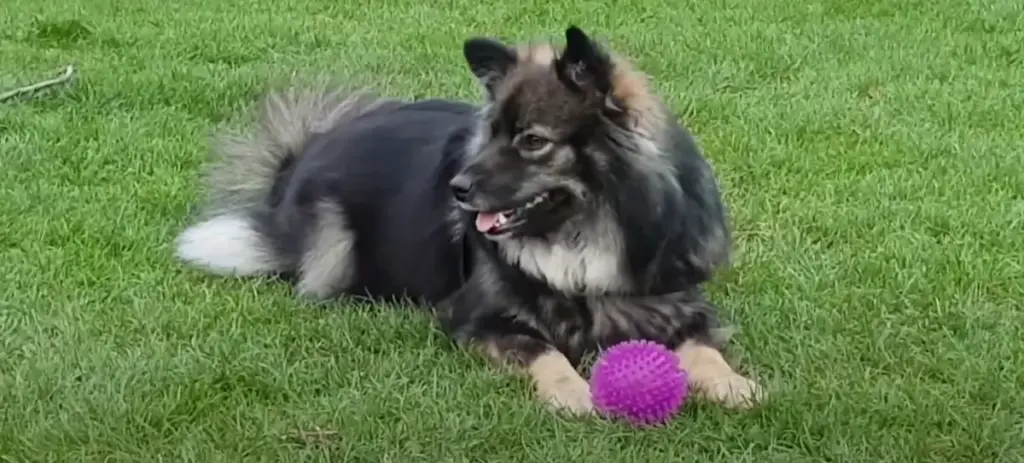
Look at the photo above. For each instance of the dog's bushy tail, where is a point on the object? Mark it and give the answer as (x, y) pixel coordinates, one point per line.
(246, 167)
(247, 164)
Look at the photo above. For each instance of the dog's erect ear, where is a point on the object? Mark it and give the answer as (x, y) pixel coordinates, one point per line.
(585, 67)
(489, 60)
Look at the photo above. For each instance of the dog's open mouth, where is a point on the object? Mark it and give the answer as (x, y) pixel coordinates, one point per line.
(496, 223)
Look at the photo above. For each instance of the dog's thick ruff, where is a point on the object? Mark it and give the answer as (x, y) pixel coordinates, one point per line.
(612, 218)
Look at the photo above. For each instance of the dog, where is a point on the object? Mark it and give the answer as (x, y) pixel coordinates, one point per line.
(566, 213)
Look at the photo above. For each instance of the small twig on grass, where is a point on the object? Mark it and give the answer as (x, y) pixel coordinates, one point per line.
(69, 72)
(312, 437)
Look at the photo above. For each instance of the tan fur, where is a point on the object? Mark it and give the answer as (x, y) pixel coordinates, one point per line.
(542, 54)
(633, 89)
(528, 95)
(499, 358)
(712, 378)
(534, 63)
(559, 385)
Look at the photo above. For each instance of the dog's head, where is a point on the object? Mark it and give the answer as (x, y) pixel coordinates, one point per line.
(553, 124)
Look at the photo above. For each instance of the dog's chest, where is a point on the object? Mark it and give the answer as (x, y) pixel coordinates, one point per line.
(585, 325)
(571, 268)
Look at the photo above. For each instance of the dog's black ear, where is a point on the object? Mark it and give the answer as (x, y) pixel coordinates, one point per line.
(586, 67)
(584, 64)
(489, 60)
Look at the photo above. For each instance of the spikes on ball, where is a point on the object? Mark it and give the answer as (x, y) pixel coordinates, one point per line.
(639, 381)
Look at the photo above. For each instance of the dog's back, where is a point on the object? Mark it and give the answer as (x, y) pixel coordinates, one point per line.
(589, 214)
(356, 197)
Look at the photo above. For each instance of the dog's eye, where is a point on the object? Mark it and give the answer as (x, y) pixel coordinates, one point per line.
(531, 142)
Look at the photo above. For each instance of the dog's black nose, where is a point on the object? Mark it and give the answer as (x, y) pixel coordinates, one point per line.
(461, 186)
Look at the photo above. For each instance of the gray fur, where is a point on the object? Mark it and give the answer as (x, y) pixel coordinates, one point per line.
(569, 213)
(245, 163)
(643, 227)
(245, 166)
(581, 257)
(327, 266)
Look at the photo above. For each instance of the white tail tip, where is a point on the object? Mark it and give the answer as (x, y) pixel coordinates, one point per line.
(226, 245)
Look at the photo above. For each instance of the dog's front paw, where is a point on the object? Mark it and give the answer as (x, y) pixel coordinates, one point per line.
(733, 391)
(567, 394)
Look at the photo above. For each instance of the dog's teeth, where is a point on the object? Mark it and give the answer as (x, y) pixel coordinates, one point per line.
(502, 218)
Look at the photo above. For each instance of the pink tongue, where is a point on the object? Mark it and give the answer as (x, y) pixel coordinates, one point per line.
(486, 221)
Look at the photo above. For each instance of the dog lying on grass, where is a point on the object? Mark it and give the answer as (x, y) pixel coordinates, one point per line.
(568, 212)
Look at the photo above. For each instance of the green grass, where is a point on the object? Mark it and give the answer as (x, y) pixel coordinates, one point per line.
(872, 154)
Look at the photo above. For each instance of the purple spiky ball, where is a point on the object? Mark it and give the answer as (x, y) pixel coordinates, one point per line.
(639, 381)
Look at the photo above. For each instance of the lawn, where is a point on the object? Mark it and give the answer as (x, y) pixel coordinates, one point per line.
(871, 152)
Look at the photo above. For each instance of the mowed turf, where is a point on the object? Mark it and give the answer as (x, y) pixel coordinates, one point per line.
(871, 152)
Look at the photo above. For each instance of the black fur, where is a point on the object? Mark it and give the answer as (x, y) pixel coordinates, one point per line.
(384, 168)
(389, 171)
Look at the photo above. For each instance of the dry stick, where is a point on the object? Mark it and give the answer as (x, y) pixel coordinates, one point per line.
(69, 72)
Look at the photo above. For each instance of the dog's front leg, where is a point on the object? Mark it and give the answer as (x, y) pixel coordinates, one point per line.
(477, 317)
(513, 344)
(695, 337)
(558, 385)
(713, 378)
